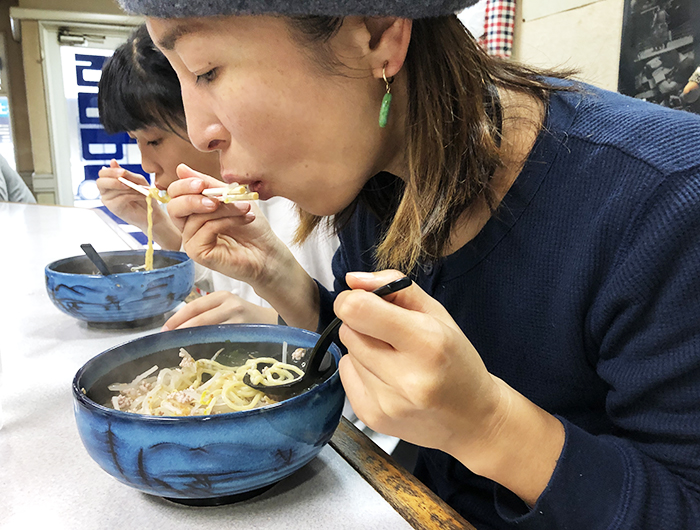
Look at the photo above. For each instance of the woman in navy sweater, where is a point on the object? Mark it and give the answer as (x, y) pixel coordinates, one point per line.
(547, 359)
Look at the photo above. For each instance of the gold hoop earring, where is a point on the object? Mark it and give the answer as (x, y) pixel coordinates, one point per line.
(386, 100)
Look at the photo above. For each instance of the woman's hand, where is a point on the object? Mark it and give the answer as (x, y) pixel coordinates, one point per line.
(121, 200)
(220, 307)
(236, 240)
(410, 372)
(130, 206)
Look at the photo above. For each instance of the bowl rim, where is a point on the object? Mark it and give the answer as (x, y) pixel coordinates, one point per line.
(185, 260)
(82, 399)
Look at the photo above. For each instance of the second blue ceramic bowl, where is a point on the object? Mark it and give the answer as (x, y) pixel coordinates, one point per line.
(78, 289)
(205, 460)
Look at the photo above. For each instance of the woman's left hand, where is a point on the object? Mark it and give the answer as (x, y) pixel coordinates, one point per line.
(220, 307)
(410, 372)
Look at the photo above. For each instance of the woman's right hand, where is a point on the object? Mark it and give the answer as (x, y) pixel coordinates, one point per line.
(236, 240)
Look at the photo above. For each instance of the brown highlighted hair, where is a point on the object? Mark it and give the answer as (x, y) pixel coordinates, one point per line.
(452, 141)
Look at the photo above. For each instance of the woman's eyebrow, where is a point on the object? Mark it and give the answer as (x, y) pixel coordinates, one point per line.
(168, 41)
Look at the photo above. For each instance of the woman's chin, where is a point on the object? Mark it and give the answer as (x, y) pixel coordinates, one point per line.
(318, 205)
(317, 210)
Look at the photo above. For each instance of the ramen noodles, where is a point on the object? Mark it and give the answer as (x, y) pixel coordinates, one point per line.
(200, 387)
(228, 194)
(154, 193)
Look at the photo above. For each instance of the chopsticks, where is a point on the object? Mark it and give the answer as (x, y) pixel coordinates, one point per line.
(234, 192)
(144, 190)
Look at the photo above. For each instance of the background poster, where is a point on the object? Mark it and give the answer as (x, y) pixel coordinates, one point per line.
(660, 50)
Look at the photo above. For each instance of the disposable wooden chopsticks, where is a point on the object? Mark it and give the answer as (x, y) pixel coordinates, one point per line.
(231, 193)
(141, 189)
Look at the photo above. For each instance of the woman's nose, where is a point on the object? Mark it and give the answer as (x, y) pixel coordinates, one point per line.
(203, 126)
(206, 136)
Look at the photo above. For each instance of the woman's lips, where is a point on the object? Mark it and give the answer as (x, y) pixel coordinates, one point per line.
(255, 186)
(258, 188)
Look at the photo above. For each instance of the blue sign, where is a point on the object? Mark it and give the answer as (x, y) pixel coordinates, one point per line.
(88, 101)
(96, 146)
(95, 62)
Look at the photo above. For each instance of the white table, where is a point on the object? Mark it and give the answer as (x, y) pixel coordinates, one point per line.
(47, 479)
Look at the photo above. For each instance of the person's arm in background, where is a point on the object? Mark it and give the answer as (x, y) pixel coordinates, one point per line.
(220, 307)
(12, 187)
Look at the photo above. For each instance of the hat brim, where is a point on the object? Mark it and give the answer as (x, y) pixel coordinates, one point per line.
(209, 8)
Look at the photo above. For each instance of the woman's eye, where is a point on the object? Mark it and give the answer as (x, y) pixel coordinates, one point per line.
(207, 77)
(154, 143)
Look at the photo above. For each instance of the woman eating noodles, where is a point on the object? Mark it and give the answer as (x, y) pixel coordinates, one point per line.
(139, 93)
(547, 358)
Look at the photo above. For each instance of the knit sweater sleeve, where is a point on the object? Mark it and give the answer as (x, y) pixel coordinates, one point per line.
(645, 325)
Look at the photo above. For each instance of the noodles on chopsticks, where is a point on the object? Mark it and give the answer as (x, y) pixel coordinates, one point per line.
(199, 387)
(154, 193)
(230, 193)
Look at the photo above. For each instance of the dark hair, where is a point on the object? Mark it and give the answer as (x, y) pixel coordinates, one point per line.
(452, 147)
(140, 89)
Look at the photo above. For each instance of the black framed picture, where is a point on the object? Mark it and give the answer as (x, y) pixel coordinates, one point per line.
(660, 53)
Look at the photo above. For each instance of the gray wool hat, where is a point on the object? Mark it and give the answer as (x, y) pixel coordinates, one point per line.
(207, 8)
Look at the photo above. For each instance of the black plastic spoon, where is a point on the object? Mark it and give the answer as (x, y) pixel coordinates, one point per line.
(288, 389)
(96, 259)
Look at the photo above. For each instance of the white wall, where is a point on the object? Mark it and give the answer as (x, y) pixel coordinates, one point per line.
(85, 6)
(586, 38)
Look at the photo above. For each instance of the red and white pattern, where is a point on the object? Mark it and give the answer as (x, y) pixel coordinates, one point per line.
(498, 27)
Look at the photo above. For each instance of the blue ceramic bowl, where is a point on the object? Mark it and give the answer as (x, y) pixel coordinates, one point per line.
(78, 289)
(205, 460)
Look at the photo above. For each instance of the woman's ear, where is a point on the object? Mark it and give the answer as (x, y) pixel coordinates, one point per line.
(377, 42)
(388, 45)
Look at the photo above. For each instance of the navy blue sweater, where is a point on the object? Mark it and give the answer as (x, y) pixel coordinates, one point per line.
(583, 293)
